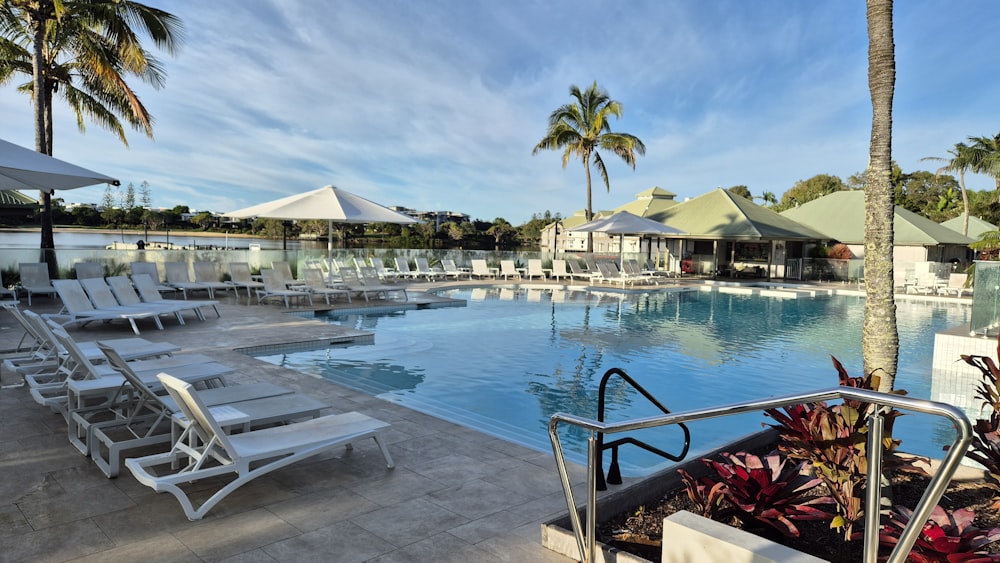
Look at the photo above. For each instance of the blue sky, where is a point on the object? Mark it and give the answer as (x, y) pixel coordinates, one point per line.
(436, 105)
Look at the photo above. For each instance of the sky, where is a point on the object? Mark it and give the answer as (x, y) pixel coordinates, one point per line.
(436, 105)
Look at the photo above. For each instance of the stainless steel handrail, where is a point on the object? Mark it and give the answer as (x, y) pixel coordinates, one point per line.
(586, 538)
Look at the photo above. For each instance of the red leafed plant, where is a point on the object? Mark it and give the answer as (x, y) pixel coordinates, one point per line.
(948, 537)
(985, 448)
(765, 489)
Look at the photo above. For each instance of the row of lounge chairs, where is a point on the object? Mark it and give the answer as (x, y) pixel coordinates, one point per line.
(173, 417)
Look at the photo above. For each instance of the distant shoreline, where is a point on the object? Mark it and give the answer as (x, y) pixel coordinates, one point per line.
(141, 232)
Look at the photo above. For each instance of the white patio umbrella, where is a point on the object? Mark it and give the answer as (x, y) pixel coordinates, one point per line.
(25, 169)
(330, 203)
(625, 223)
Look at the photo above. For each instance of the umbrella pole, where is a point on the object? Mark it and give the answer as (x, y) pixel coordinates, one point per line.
(329, 240)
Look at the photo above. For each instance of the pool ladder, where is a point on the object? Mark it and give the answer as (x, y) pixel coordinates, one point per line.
(614, 473)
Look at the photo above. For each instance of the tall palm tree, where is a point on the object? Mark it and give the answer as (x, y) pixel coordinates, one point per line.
(580, 128)
(984, 156)
(960, 162)
(880, 340)
(83, 50)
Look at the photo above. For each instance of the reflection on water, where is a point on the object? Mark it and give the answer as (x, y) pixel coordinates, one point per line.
(513, 357)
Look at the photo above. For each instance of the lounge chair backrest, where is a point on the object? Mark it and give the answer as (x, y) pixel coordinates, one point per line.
(423, 265)
(99, 292)
(535, 267)
(377, 264)
(283, 270)
(957, 280)
(72, 295)
(574, 267)
(508, 268)
(121, 366)
(559, 267)
(34, 274)
(449, 265)
(350, 278)
(314, 278)
(177, 272)
(402, 265)
(121, 286)
(28, 327)
(197, 412)
(147, 288)
(240, 272)
(369, 277)
(342, 265)
(86, 270)
(148, 268)
(273, 281)
(480, 267)
(81, 366)
(206, 272)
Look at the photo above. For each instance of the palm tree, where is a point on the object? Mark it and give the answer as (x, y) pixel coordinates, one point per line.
(767, 199)
(580, 128)
(880, 340)
(83, 50)
(960, 162)
(984, 156)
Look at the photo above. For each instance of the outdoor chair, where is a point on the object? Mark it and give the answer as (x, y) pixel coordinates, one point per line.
(240, 276)
(124, 292)
(247, 455)
(372, 284)
(4, 290)
(149, 419)
(179, 278)
(403, 268)
(86, 270)
(559, 270)
(317, 285)
(79, 309)
(424, 269)
(146, 288)
(452, 271)
(150, 269)
(283, 270)
(104, 299)
(535, 269)
(480, 270)
(35, 279)
(576, 272)
(274, 287)
(207, 274)
(956, 285)
(384, 273)
(508, 269)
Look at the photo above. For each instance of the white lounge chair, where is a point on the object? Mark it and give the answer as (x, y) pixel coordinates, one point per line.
(274, 286)
(384, 273)
(317, 285)
(559, 270)
(481, 270)
(240, 276)
(147, 419)
(535, 269)
(956, 285)
(35, 279)
(452, 271)
(403, 268)
(147, 290)
(247, 455)
(577, 272)
(508, 269)
(150, 269)
(179, 278)
(124, 292)
(86, 270)
(79, 309)
(424, 269)
(4, 290)
(284, 272)
(371, 282)
(207, 274)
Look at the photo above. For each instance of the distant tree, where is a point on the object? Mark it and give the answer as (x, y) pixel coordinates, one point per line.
(768, 199)
(501, 231)
(86, 216)
(205, 220)
(530, 233)
(931, 195)
(145, 198)
(128, 201)
(108, 199)
(741, 191)
(580, 128)
(960, 162)
(807, 190)
(984, 157)
(314, 227)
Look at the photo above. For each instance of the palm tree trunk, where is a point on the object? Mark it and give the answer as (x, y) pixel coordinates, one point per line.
(880, 340)
(965, 203)
(590, 207)
(43, 141)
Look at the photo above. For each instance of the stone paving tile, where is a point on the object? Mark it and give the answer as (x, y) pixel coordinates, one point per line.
(441, 547)
(322, 509)
(400, 484)
(57, 543)
(163, 547)
(224, 537)
(477, 498)
(253, 556)
(68, 506)
(346, 542)
(408, 522)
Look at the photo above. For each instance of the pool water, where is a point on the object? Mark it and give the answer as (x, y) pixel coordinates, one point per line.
(512, 357)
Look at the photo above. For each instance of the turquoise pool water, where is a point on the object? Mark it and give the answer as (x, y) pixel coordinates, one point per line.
(512, 357)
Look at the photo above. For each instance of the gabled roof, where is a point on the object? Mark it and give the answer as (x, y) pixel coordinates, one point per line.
(841, 216)
(649, 202)
(720, 214)
(977, 226)
(14, 198)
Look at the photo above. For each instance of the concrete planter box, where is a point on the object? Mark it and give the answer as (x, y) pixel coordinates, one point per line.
(691, 537)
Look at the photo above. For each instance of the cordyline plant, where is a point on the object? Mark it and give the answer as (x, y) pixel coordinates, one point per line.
(948, 537)
(833, 439)
(985, 448)
(765, 489)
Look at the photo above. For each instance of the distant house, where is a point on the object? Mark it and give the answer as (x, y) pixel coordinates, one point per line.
(976, 226)
(840, 216)
(15, 205)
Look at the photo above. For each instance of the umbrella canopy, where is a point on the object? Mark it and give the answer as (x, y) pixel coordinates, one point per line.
(330, 203)
(625, 223)
(25, 169)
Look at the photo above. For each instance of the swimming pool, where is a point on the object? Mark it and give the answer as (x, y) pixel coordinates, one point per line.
(512, 357)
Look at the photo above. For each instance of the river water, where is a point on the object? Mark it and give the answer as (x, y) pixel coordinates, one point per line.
(85, 239)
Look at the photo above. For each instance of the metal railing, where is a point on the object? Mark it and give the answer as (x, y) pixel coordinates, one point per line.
(614, 473)
(586, 538)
